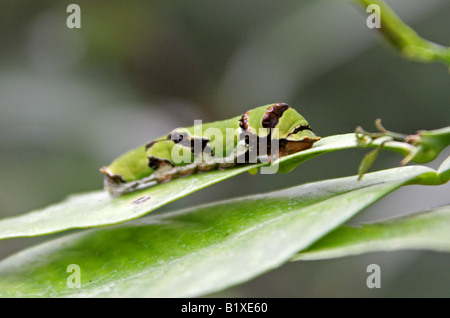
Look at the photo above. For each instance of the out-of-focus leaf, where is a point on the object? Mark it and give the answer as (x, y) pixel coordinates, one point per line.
(428, 230)
(200, 250)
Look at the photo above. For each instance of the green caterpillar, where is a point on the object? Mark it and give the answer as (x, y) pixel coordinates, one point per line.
(262, 134)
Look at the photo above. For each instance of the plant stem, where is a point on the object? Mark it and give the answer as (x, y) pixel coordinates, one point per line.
(405, 39)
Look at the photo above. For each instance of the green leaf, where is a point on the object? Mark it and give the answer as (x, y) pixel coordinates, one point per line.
(428, 230)
(99, 209)
(198, 251)
(429, 143)
(368, 161)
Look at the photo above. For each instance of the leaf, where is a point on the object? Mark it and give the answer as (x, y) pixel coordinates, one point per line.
(198, 251)
(368, 161)
(429, 144)
(97, 208)
(428, 230)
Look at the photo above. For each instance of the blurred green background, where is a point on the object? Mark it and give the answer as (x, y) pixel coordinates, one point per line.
(71, 100)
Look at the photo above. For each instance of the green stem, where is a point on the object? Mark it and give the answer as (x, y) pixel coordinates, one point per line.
(405, 39)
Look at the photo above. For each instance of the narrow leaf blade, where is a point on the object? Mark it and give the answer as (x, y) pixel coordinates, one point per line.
(428, 230)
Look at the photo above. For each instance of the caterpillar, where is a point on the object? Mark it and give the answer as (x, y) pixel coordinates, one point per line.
(262, 134)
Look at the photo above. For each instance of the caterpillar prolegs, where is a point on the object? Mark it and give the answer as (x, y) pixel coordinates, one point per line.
(262, 134)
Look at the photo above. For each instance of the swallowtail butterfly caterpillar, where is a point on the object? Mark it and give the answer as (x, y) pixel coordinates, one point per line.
(263, 133)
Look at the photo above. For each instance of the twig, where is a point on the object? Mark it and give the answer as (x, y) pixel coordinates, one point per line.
(405, 39)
